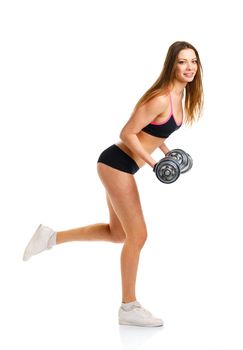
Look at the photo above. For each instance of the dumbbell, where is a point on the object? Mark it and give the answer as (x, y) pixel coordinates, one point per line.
(175, 162)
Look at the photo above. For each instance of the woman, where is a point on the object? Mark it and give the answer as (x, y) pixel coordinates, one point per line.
(157, 114)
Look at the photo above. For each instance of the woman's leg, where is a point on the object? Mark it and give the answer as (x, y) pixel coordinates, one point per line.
(124, 198)
(45, 237)
(112, 232)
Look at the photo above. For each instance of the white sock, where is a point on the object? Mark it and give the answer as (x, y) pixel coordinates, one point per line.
(52, 240)
(129, 306)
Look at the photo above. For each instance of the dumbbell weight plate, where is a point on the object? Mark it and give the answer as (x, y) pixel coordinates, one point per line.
(167, 170)
(181, 157)
(189, 164)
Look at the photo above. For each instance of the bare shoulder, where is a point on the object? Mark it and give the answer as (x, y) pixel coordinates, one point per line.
(158, 103)
(145, 114)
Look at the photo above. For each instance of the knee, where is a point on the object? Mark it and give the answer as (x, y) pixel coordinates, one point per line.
(118, 235)
(138, 239)
(119, 238)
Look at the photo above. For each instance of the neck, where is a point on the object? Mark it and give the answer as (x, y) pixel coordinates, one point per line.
(178, 88)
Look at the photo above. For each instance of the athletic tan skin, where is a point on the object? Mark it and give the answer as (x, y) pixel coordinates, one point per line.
(127, 224)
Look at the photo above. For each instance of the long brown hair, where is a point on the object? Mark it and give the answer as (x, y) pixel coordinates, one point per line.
(194, 89)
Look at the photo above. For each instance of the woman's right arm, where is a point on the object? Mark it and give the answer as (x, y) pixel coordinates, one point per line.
(142, 117)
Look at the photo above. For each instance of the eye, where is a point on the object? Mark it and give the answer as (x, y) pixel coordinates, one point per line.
(181, 62)
(195, 61)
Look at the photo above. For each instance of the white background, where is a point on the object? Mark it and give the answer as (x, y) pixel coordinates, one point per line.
(71, 73)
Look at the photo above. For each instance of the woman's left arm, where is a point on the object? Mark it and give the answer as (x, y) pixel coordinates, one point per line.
(164, 148)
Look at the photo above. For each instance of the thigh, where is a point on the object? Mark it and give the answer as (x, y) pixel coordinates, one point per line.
(124, 197)
(115, 225)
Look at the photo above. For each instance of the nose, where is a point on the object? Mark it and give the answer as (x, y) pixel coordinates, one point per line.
(189, 66)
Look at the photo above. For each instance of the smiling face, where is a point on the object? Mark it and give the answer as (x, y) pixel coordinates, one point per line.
(186, 66)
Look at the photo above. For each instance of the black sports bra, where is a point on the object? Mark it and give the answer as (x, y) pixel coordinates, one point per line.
(164, 129)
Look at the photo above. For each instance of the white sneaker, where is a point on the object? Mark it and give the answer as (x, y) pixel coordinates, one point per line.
(136, 315)
(43, 238)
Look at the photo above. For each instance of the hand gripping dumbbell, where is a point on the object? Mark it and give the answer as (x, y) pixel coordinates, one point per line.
(175, 162)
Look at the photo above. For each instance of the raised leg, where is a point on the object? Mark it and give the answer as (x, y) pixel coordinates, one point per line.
(112, 232)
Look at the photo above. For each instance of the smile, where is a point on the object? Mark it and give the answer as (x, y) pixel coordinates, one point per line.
(189, 75)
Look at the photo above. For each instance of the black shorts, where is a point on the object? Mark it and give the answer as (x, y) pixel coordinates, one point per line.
(118, 159)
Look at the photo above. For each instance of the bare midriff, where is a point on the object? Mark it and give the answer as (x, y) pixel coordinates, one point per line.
(149, 143)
